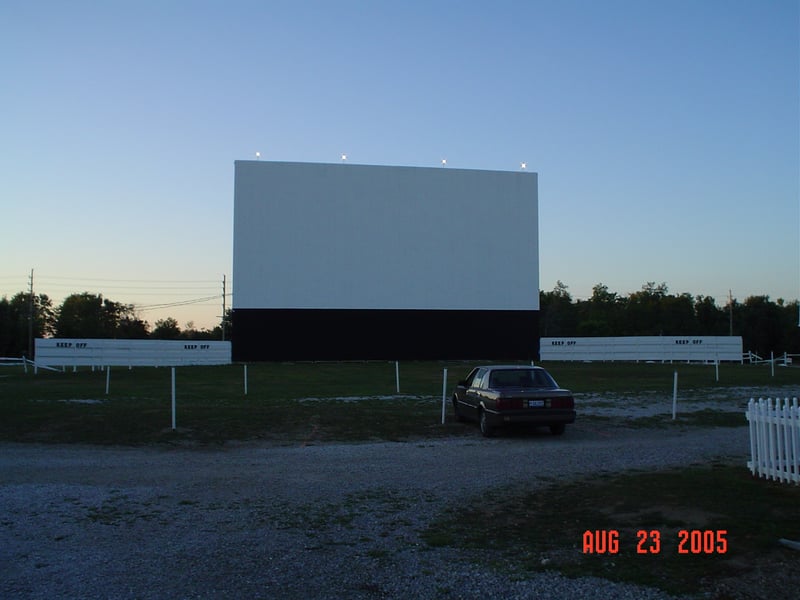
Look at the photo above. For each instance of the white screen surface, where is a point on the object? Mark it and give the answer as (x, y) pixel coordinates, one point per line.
(340, 236)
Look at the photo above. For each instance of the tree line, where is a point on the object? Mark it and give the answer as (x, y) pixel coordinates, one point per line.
(85, 315)
(764, 325)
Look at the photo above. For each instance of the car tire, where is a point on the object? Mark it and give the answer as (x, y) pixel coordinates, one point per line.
(486, 428)
(557, 428)
(458, 415)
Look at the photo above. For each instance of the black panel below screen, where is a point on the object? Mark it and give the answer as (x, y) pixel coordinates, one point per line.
(318, 334)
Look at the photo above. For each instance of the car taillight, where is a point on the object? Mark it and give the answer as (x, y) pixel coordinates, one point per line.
(567, 402)
(508, 403)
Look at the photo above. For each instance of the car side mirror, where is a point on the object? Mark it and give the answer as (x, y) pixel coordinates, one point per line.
(462, 383)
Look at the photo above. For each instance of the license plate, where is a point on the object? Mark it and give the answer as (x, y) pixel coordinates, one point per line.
(535, 403)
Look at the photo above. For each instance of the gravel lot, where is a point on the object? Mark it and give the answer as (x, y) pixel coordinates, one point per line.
(313, 521)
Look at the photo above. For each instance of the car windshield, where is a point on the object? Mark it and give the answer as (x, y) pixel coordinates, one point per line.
(528, 378)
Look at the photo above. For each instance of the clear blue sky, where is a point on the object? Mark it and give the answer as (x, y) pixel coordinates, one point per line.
(665, 134)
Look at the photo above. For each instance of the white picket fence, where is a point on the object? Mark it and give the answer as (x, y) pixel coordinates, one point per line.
(774, 439)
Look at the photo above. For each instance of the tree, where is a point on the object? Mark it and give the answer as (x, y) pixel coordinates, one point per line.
(132, 328)
(765, 326)
(88, 315)
(190, 333)
(224, 331)
(762, 327)
(677, 314)
(600, 315)
(557, 313)
(710, 318)
(643, 314)
(790, 317)
(166, 329)
(15, 328)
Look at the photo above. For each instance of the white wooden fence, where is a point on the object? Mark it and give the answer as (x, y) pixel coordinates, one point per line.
(774, 439)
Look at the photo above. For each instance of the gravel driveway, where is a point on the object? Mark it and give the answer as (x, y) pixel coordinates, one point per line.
(315, 521)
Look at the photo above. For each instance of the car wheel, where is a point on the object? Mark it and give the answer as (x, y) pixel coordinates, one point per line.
(459, 418)
(557, 428)
(486, 428)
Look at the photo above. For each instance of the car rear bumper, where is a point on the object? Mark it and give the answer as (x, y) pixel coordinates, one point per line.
(533, 417)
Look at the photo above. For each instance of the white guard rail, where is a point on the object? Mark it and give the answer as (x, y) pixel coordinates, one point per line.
(61, 352)
(666, 348)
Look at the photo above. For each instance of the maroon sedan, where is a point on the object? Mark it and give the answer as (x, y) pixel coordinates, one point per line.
(500, 395)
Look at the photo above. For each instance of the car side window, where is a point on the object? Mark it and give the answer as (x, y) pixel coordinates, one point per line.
(470, 378)
(477, 382)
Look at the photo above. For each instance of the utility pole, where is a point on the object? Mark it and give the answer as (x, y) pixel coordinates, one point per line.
(730, 309)
(30, 317)
(224, 306)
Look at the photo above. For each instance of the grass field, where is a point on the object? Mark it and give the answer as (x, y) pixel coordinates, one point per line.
(531, 529)
(294, 402)
(680, 531)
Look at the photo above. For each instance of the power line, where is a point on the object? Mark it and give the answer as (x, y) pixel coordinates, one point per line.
(58, 277)
(176, 293)
(147, 307)
(157, 289)
(126, 287)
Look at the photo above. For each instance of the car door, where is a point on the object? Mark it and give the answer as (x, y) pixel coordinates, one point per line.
(462, 386)
(472, 396)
